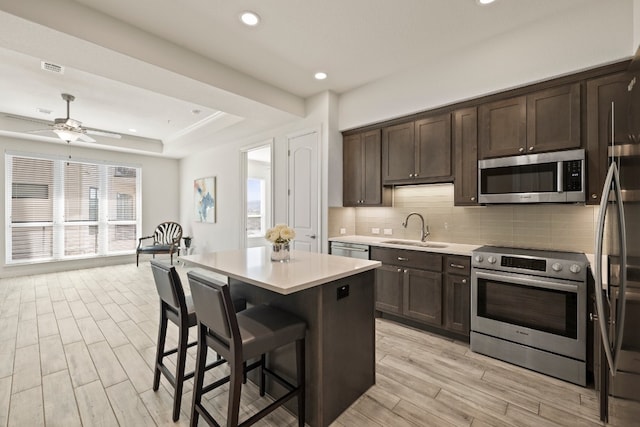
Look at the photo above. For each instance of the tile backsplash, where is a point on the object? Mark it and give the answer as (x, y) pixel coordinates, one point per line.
(568, 227)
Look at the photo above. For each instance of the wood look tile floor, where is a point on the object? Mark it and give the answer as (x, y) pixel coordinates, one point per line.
(77, 349)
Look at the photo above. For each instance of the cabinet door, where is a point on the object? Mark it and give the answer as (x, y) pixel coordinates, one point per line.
(433, 149)
(389, 289)
(503, 128)
(601, 93)
(372, 174)
(398, 153)
(553, 119)
(457, 310)
(423, 296)
(465, 149)
(352, 170)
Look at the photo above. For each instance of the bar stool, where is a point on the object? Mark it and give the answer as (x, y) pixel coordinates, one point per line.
(239, 338)
(179, 309)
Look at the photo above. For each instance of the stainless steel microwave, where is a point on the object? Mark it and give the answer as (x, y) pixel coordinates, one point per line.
(556, 177)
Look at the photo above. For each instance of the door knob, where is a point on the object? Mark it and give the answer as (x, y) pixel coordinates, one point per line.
(312, 236)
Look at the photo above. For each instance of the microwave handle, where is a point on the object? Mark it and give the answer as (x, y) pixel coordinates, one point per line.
(560, 175)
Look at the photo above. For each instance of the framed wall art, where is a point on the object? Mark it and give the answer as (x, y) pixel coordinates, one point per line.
(204, 198)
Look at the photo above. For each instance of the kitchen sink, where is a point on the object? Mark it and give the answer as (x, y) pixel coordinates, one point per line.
(415, 243)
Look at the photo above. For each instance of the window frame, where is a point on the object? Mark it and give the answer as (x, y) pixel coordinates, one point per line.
(59, 224)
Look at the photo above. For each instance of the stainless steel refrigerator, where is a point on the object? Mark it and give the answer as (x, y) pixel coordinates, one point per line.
(617, 251)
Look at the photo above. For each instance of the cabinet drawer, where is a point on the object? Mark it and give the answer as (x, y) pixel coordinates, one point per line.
(458, 264)
(408, 258)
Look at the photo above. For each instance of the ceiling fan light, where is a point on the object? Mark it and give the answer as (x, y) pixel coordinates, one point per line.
(67, 135)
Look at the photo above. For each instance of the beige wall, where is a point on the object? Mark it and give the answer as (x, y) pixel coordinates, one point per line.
(561, 227)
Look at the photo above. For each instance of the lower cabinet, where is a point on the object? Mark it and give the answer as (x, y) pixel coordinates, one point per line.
(424, 287)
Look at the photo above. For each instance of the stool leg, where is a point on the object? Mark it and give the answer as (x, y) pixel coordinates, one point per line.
(198, 381)
(182, 358)
(300, 356)
(162, 335)
(235, 388)
(262, 380)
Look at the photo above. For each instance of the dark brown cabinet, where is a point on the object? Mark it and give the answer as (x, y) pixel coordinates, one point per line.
(546, 120)
(457, 294)
(465, 148)
(607, 105)
(417, 152)
(362, 180)
(409, 284)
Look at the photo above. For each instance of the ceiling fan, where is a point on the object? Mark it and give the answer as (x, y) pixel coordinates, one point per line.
(71, 130)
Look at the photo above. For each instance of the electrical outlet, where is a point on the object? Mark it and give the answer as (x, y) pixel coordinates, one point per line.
(388, 231)
(343, 231)
(375, 231)
(446, 226)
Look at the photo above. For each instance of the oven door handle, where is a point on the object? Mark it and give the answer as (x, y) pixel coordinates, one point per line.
(530, 281)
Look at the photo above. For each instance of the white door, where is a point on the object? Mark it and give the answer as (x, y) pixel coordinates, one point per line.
(304, 193)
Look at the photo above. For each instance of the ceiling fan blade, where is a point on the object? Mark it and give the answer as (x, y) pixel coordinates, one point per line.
(103, 133)
(86, 138)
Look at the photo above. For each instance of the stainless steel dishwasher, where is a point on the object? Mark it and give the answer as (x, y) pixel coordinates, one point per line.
(351, 250)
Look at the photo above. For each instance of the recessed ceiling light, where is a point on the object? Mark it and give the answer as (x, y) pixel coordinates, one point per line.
(320, 75)
(483, 2)
(250, 18)
(133, 130)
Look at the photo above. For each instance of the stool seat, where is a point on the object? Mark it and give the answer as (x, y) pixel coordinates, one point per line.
(264, 328)
(240, 337)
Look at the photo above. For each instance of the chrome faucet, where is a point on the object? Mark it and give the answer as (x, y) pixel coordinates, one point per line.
(425, 230)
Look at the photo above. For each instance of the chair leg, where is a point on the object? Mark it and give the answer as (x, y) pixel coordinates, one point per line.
(300, 356)
(162, 335)
(235, 389)
(180, 363)
(137, 259)
(198, 381)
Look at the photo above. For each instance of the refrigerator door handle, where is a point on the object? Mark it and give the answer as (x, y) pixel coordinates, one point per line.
(612, 353)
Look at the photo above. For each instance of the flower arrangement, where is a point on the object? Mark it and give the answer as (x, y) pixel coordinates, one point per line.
(281, 233)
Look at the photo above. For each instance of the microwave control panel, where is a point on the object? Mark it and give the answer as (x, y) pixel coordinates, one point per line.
(573, 175)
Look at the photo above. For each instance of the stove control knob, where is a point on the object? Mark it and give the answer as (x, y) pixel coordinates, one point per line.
(479, 258)
(556, 266)
(575, 268)
(491, 259)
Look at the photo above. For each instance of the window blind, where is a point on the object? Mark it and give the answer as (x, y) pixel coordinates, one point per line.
(62, 209)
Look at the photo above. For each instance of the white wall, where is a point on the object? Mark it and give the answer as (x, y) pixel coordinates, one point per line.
(598, 33)
(159, 197)
(225, 163)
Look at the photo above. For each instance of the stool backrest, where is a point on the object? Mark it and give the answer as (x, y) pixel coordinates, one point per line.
(214, 307)
(168, 285)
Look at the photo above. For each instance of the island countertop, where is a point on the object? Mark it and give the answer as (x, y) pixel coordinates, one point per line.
(305, 269)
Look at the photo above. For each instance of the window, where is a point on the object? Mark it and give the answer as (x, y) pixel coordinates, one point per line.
(61, 209)
(256, 194)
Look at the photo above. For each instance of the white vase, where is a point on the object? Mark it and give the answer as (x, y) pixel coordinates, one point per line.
(280, 252)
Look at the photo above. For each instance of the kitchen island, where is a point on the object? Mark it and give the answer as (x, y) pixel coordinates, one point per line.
(335, 296)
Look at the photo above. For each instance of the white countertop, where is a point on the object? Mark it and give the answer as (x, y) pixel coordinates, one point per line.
(305, 269)
(450, 248)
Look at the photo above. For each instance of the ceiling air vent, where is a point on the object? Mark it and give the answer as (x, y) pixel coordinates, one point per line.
(50, 66)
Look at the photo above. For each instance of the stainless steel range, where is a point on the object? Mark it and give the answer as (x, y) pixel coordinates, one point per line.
(529, 308)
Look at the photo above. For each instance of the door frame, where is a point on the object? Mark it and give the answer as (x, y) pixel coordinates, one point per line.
(244, 171)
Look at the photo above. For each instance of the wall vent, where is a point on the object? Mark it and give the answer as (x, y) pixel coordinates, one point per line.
(50, 66)
(43, 110)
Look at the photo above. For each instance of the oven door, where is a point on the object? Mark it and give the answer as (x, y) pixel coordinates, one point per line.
(543, 313)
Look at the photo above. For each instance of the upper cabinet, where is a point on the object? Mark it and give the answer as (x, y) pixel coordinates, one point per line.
(465, 149)
(417, 152)
(362, 182)
(607, 106)
(546, 120)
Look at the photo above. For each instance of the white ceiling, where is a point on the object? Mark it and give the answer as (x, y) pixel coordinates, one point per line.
(148, 64)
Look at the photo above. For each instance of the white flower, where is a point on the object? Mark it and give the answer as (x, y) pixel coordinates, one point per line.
(281, 233)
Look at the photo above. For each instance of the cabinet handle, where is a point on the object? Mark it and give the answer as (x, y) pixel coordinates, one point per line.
(473, 198)
(410, 175)
(464, 281)
(594, 196)
(521, 150)
(530, 148)
(402, 259)
(415, 175)
(460, 266)
(399, 270)
(405, 271)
